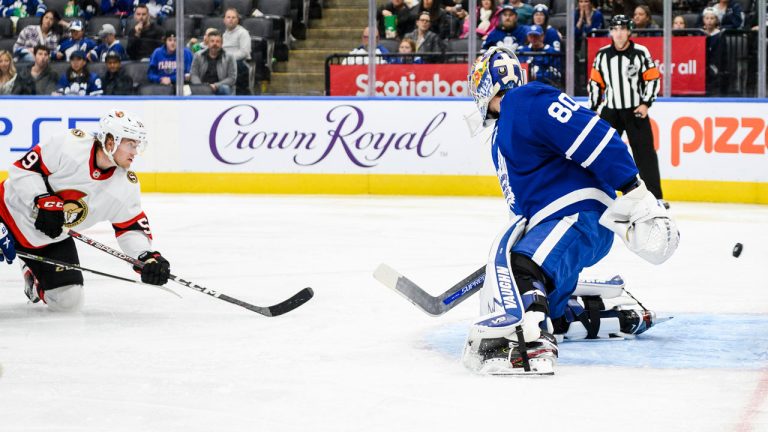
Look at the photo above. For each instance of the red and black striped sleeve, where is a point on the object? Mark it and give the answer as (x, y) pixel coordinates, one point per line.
(138, 223)
(33, 161)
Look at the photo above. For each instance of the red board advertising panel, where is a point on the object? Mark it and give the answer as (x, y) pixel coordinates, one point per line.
(401, 80)
(689, 67)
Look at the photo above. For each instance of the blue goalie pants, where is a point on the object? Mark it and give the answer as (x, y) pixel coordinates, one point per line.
(563, 248)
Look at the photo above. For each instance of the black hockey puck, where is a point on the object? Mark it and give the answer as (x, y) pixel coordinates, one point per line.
(737, 249)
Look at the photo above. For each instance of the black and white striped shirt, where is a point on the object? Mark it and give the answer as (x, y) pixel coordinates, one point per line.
(623, 79)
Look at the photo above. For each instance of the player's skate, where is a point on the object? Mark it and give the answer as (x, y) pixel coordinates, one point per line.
(604, 310)
(504, 357)
(31, 286)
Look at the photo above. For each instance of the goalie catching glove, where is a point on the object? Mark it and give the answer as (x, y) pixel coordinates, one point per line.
(156, 269)
(643, 224)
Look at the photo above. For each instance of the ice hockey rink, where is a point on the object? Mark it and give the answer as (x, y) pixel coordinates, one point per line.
(358, 357)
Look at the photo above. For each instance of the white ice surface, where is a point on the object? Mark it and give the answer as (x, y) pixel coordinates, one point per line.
(358, 357)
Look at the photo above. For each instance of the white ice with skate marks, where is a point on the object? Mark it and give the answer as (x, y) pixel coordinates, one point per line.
(358, 357)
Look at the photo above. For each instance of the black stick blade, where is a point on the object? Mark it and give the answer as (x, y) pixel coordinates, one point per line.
(292, 303)
(284, 306)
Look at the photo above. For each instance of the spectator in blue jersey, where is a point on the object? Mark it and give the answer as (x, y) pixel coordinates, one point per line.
(559, 167)
(22, 8)
(76, 42)
(552, 36)
(145, 36)
(78, 80)
(546, 67)
(159, 10)
(115, 80)
(587, 18)
(509, 33)
(162, 64)
(47, 32)
(121, 8)
(109, 44)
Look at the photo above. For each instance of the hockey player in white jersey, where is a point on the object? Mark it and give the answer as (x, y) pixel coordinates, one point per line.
(77, 180)
(559, 167)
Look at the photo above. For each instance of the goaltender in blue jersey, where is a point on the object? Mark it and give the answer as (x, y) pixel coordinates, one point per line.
(559, 166)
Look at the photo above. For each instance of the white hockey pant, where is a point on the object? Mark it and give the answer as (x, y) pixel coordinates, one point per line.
(68, 298)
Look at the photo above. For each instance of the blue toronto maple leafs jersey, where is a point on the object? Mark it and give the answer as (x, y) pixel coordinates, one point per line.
(554, 157)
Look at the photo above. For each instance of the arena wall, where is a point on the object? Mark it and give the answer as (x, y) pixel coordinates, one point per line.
(709, 150)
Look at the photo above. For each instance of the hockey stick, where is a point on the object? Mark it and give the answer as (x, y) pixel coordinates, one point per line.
(434, 306)
(456, 294)
(288, 305)
(69, 266)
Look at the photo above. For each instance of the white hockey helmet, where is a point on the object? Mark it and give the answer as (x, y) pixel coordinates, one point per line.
(121, 125)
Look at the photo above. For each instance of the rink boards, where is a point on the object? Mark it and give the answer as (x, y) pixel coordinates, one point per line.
(709, 150)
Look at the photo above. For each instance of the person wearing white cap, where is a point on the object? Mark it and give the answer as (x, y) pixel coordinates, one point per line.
(109, 43)
(76, 42)
(716, 59)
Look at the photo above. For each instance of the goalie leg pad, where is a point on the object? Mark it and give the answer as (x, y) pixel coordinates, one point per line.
(514, 335)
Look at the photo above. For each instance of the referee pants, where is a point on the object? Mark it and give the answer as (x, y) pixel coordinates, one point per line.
(641, 141)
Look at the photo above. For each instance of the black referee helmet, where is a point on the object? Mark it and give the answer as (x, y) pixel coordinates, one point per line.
(621, 21)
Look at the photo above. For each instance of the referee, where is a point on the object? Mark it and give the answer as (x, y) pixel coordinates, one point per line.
(625, 81)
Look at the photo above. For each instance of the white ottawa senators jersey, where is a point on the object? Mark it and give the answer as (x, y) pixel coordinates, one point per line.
(66, 166)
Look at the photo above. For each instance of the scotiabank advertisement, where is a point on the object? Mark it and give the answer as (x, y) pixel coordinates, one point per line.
(689, 65)
(401, 80)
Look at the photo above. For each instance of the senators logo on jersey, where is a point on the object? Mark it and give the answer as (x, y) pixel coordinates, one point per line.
(132, 177)
(78, 133)
(75, 208)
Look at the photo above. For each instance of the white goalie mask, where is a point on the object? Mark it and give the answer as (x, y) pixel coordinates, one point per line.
(121, 125)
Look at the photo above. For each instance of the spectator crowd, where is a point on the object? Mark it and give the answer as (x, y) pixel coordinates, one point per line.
(120, 47)
(534, 29)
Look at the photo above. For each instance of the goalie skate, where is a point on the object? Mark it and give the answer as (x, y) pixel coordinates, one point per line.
(504, 357)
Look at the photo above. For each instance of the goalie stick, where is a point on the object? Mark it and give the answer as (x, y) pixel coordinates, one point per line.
(434, 306)
(70, 266)
(438, 305)
(285, 306)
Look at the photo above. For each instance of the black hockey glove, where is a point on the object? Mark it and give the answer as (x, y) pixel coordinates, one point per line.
(50, 215)
(156, 268)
